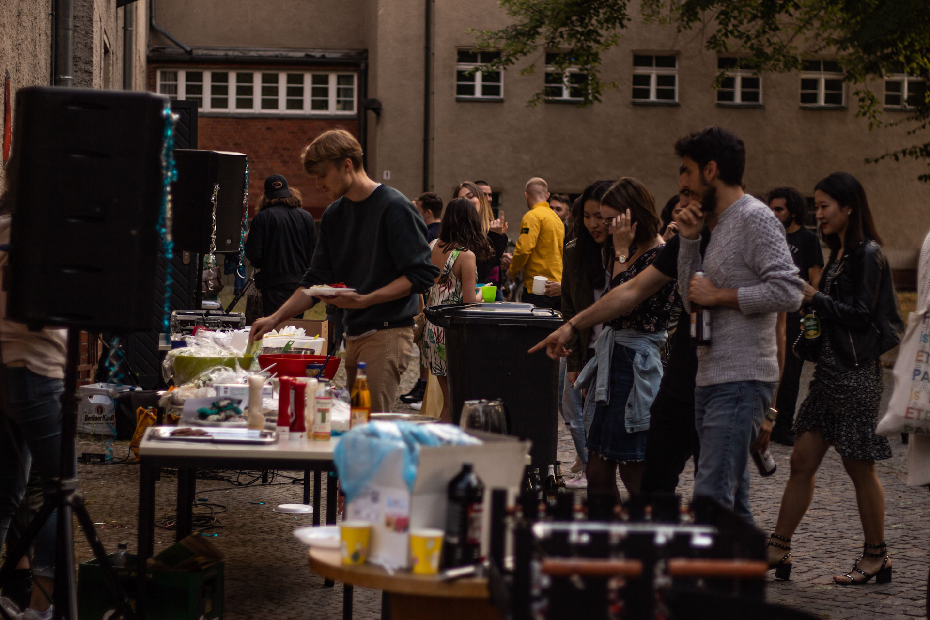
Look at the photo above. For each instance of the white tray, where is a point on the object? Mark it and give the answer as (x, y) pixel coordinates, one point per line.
(326, 291)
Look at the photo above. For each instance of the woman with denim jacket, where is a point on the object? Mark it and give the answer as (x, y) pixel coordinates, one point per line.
(860, 320)
(623, 376)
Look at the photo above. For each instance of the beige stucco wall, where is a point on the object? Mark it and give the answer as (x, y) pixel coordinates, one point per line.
(507, 143)
(317, 24)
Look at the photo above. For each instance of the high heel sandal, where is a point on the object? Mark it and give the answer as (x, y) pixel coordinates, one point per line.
(783, 566)
(882, 575)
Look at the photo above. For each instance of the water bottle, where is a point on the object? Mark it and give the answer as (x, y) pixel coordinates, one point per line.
(120, 559)
(700, 321)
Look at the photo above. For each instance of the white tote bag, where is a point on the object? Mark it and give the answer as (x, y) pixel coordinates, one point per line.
(909, 408)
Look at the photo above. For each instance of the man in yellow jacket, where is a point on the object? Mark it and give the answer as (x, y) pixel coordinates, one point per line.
(539, 248)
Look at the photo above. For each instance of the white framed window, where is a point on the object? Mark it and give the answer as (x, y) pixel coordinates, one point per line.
(473, 84)
(904, 91)
(822, 84)
(742, 85)
(262, 92)
(655, 78)
(570, 86)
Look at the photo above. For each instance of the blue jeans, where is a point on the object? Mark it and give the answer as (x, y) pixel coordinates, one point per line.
(570, 408)
(727, 419)
(30, 428)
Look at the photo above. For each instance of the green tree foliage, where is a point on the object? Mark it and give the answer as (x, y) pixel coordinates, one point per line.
(869, 38)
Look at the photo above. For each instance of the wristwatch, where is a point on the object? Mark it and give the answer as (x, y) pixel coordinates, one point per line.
(772, 414)
(623, 258)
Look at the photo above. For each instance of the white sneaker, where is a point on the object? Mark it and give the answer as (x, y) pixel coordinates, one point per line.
(578, 483)
(416, 406)
(577, 466)
(32, 614)
(10, 608)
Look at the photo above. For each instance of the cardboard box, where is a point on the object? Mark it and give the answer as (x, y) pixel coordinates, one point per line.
(393, 510)
(240, 391)
(96, 413)
(312, 328)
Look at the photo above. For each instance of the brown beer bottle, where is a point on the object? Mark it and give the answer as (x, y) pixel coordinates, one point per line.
(700, 321)
(361, 398)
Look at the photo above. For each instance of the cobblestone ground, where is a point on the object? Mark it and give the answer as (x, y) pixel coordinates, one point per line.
(267, 574)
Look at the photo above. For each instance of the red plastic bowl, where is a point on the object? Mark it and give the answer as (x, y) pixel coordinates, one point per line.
(295, 364)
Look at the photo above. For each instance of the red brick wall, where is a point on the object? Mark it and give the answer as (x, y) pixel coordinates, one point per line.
(273, 146)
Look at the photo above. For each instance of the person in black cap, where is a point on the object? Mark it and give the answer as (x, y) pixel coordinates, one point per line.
(280, 244)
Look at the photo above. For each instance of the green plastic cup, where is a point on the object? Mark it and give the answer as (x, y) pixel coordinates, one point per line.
(489, 293)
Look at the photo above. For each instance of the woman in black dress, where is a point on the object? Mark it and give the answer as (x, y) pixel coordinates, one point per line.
(860, 319)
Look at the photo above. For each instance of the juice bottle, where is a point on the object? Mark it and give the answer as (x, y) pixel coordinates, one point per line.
(361, 398)
(322, 425)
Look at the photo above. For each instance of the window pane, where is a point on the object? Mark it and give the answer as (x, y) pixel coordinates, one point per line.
(464, 76)
(916, 92)
(578, 78)
(169, 84)
(553, 92)
(295, 91)
(245, 85)
(729, 83)
(345, 93)
(810, 84)
(832, 66)
(270, 91)
(219, 90)
(467, 56)
(486, 57)
(811, 65)
(750, 96)
(894, 86)
(642, 80)
(550, 58)
(493, 77)
(809, 98)
(490, 90)
(665, 80)
(641, 93)
(751, 83)
(665, 94)
(725, 95)
(465, 90)
(319, 92)
(726, 63)
(833, 85)
(193, 86)
(553, 78)
(668, 62)
(833, 98)
(892, 99)
(642, 61)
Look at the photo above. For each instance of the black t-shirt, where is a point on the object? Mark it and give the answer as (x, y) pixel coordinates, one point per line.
(678, 381)
(805, 251)
(432, 231)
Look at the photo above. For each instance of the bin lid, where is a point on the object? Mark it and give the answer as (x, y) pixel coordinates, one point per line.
(507, 311)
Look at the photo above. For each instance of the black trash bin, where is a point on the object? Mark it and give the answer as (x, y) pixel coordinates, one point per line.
(486, 349)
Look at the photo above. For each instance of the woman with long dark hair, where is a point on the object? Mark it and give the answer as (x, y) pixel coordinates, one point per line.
(623, 376)
(586, 274)
(460, 245)
(859, 321)
(489, 268)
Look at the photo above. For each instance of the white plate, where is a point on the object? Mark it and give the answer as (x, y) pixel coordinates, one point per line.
(326, 290)
(326, 537)
(295, 509)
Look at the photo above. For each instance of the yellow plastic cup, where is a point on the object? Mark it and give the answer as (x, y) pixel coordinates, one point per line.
(426, 547)
(489, 293)
(355, 537)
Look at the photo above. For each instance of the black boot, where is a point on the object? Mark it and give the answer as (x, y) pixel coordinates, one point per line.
(415, 395)
(783, 435)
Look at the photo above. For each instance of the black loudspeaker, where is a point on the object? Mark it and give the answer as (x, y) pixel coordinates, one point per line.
(86, 182)
(198, 172)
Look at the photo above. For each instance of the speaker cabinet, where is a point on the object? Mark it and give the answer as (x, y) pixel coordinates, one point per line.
(198, 172)
(86, 183)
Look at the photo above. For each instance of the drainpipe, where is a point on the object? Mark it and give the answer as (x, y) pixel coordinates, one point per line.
(63, 44)
(427, 98)
(164, 32)
(363, 111)
(129, 18)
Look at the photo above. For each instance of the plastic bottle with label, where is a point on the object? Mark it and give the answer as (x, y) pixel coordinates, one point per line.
(322, 425)
(700, 321)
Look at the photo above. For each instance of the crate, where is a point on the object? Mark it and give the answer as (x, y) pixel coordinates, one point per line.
(170, 595)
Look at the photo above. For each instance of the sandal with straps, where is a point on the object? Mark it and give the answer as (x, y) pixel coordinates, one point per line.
(882, 575)
(783, 566)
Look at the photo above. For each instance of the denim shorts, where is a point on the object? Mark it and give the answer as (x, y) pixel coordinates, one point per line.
(608, 436)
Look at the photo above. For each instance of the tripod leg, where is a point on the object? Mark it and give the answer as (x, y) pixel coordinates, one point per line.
(187, 488)
(146, 536)
(65, 595)
(90, 533)
(26, 540)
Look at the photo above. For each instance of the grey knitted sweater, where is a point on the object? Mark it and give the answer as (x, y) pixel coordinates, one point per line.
(748, 251)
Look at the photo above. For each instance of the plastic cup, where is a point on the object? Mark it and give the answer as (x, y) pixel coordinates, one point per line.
(355, 537)
(539, 285)
(489, 293)
(426, 547)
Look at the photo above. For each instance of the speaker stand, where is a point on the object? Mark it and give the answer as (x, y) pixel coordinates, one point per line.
(68, 502)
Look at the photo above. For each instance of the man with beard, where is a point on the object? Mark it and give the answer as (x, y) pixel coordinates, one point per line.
(787, 204)
(748, 278)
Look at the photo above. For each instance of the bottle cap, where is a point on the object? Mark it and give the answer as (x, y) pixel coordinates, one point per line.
(467, 466)
(121, 546)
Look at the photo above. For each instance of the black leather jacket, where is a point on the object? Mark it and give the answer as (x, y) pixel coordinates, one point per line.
(860, 315)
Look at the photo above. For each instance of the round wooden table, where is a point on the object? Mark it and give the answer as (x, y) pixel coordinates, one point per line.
(411, 597)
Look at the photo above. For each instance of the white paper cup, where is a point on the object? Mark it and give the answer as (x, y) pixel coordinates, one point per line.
(539, 285)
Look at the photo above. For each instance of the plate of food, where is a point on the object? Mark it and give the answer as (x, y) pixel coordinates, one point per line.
(328, 290)
(326, 536)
